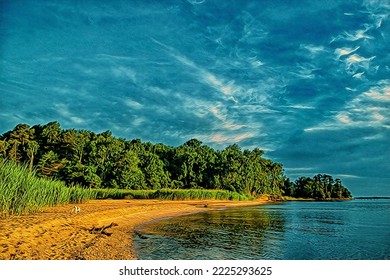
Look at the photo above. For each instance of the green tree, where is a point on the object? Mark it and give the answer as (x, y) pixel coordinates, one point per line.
(80, 174)
(50, 164)
(31, 151)
(52, 134)
(321, 186)
(127, 174)
(153, 169)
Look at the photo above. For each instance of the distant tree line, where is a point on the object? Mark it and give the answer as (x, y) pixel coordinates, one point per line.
(321, 186)
(103, 161)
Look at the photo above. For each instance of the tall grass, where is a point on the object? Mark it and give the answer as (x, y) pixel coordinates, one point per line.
(170, 194)
(22, 192)
(123, 193)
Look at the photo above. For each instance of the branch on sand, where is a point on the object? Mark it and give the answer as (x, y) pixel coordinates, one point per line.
(102, 230)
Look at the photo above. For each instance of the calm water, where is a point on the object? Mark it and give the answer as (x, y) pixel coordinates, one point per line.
(350, 230)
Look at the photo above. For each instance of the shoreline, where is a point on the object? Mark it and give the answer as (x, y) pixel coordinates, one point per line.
(103, 230)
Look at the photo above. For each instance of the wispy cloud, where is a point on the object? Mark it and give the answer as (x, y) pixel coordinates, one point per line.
(345, 51)
(64, 111)
(227, 89)
(380, 92)
(125, 72)
(361, 112)
(133, 104)
(224, 139)
(347, 176)
(305, 71)
(358, 75)
(355, 63)
(357, 35)
(196, 2)
(300, 106)
(313, 51)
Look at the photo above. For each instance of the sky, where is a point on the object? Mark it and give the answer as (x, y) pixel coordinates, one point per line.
(306, 81)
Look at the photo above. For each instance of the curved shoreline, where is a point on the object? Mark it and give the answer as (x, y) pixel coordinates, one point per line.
(103, 230)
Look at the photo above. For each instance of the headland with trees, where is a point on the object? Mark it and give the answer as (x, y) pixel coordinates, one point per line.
(99, 165)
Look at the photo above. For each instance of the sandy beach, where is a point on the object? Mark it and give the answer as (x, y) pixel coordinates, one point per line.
(102, 230)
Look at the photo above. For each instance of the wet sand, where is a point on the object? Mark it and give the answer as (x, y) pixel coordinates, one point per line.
(102, 230)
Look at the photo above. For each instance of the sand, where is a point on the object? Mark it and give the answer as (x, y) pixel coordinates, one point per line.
(102, 230)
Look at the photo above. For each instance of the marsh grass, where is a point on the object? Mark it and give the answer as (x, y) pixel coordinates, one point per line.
(22, 192)
(170, 194)
(123, 193)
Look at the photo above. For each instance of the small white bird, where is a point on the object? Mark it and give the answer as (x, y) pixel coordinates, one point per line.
(75, 209)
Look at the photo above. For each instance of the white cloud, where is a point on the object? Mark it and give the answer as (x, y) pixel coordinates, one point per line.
(124, 72)
(114, 57)
(138, 121)
(353, 36)
(343, 118)
(299, 106)
(228, 89)
(243, 136)
(379, 93)
(256, 63)
(225, 88)
(358, 75)
(345, 51)
(64, 112)
(254, 108)
(347, 176)
(355, 58)
(305, 71)
(219, 138)
(233, 126)
(226, 138)
(356, 62)
(312, 50)
(358, 35)
(133, 104)
(223, 118)
(216, 112)
(160, 91)
(379, 11)
(368, 109)
(196, 2)
(296, 169)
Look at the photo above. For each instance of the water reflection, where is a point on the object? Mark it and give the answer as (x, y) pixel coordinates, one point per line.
(223, 234)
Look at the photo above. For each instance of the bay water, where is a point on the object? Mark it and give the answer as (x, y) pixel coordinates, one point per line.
(296, 230)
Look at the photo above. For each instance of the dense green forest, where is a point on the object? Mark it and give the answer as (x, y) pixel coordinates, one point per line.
(90, 160)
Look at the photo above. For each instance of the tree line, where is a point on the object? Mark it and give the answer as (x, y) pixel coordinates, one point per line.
(321, 186)
(82, 157)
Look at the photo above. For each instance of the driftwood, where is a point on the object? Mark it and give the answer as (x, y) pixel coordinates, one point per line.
(102, 230)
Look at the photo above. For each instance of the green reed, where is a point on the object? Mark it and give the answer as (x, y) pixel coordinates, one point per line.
(123, 193)
(170, 194)
(23, 192)
(187, 194)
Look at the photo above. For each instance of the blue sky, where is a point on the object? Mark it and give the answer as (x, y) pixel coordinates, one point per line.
(306, 81)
